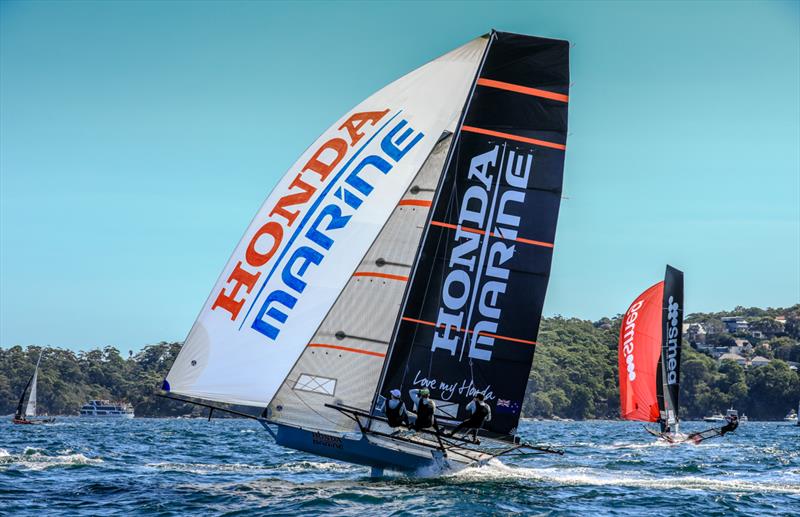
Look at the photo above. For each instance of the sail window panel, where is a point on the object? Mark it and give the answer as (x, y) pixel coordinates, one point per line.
(316, 384)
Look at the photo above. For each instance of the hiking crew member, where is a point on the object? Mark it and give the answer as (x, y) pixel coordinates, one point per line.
(480, 412)
(396, 412)
(733, 423)
(424, 407)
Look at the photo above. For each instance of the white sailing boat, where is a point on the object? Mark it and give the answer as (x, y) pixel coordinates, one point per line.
(408, 247)
(26, 412)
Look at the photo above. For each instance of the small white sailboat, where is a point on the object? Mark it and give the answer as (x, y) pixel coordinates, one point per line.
(409, 247)
(27, 415)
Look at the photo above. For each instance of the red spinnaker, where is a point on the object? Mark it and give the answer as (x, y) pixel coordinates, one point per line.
(639, 352)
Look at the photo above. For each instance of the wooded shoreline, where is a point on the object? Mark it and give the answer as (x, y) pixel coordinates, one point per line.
(574, 374)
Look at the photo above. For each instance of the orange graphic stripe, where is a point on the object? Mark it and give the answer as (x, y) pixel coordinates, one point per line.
(497, 336)
(382, 275)
(414, 202)
(509, 136)
(523, 89)
(483, 232)
(346, 349)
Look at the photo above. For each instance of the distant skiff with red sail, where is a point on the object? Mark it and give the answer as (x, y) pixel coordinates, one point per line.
(650, 341)
(409, 248)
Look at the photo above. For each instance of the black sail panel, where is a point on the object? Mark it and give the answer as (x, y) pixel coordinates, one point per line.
(20, 413)
(671, 340)
(470, 319)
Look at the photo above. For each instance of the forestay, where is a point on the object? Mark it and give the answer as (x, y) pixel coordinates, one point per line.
(304, 244)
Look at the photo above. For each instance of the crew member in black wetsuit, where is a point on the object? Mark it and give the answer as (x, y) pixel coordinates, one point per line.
(424, 407)
(396, 413)
(665, 429)
(733, 423)
(480, 412)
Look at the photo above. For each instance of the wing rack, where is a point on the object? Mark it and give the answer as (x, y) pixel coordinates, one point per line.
(446, 444)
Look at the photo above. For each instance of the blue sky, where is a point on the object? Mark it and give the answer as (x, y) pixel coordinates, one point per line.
(137, 140)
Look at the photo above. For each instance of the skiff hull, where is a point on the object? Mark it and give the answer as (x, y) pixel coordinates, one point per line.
(370, 451)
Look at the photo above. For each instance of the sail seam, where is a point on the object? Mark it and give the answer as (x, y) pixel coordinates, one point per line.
(492, 234)
(414, 202)
(480, 333)
(346, 349)
(509, 136)
(400, 278)
(500, 85)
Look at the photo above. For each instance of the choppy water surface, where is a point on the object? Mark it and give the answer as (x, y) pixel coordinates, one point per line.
(174, 467)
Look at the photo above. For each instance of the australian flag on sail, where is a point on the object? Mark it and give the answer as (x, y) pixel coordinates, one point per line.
(470, 319)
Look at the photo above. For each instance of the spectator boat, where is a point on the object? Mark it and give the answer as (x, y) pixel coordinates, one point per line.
(106, 409)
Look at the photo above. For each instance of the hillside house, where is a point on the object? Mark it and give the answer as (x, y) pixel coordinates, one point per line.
(735, 324)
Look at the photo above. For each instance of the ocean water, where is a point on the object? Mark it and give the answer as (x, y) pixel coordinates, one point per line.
(231, 467)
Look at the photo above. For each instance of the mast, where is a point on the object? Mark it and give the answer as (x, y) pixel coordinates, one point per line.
(671, 344)
(470, 318)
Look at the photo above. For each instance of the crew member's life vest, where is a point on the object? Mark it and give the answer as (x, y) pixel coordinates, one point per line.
(395, 415)
(424, 414)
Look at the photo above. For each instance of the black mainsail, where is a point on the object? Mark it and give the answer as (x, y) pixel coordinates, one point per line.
(470, 317)
(669, 366)
(19, 414)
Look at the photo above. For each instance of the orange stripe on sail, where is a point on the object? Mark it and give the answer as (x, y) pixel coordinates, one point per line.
(523, 89)
(497, 336)
(382, 275)
(483, 232)
(414, 202)
(346, 349)
(509, 136)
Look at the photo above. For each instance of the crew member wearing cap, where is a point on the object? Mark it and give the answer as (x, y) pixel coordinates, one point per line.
(424, 407)
(396, 412)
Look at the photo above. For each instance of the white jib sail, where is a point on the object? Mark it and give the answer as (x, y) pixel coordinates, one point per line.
(307, 239)
(30, 409)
